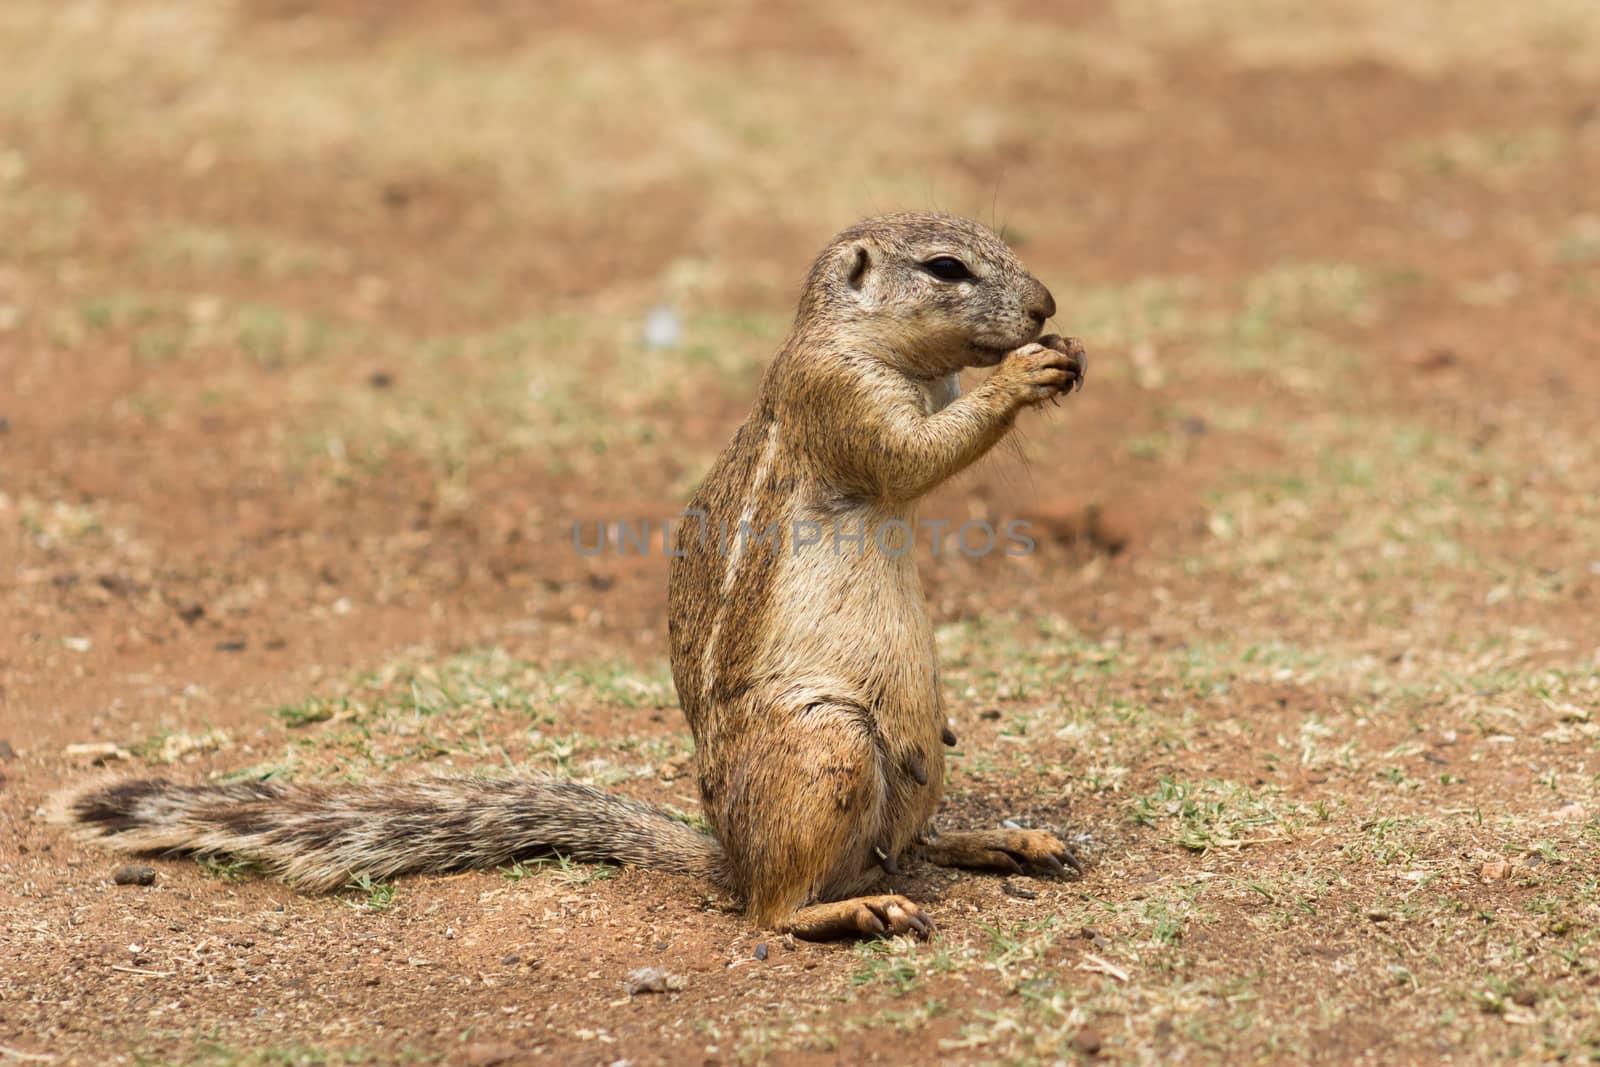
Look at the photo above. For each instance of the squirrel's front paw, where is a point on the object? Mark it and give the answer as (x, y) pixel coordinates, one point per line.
(1077, 357)
(1045, 369)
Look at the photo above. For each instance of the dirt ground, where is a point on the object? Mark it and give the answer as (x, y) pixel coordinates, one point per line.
(321, 323)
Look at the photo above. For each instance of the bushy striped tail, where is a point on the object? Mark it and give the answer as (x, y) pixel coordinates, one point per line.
(323, 836)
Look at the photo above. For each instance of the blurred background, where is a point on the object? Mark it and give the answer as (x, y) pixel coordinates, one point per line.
(321, 322)
(416, 284)
(348, 268)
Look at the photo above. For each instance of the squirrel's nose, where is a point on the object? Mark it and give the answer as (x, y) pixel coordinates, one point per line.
(1042, 306)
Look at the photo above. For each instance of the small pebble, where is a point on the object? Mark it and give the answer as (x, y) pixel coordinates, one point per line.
(1087, 1041)
(1094, 937)
(115, 583)
(1021, 892)
(653, 980)
(761, 951)
(134, 874)
(96, 752)
(486, 1054)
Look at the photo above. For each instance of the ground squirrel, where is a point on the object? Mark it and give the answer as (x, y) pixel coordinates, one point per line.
(804, 664)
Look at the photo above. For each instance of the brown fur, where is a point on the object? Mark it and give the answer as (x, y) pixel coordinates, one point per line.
(807, 673)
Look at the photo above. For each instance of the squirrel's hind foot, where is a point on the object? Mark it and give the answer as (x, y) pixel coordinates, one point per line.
(877, 916)
(1008, 851)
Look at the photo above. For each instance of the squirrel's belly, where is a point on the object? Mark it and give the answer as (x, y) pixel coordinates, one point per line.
(860, 618)
(854, 626)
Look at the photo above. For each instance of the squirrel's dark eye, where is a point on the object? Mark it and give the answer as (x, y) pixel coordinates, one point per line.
(948, 269)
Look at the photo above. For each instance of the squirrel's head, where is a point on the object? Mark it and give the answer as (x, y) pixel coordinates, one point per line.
(930, 293)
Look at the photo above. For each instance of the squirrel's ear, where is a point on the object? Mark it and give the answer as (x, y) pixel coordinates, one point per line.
(857, 262)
